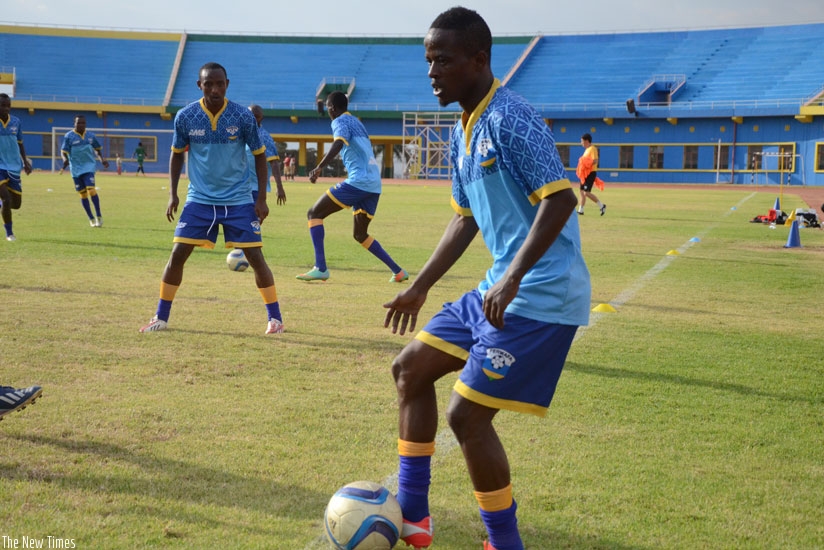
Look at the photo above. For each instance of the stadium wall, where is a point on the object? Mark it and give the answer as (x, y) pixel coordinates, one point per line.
(689, 147)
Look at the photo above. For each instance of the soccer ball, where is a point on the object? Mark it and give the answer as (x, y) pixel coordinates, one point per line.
(363, 515)
(237, 260)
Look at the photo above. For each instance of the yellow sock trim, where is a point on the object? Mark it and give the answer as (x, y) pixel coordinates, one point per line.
(368, 242)
(410, 448)
(167, 291)
(315, 222)
(495, 501)
(270, 294)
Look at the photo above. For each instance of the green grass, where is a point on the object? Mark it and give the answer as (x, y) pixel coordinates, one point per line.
(691, 418)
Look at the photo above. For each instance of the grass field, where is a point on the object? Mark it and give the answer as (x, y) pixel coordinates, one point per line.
(693, 417)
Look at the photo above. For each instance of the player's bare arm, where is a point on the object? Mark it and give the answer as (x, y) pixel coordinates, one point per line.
(337, 145)
(402, 311)
(175, 167)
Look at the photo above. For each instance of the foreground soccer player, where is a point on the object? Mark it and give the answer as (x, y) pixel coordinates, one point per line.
(216, 132)
(12, 159)
(361, 190)
(510, 336)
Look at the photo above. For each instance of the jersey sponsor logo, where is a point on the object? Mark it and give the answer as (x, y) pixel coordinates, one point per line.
(197, 132)
(232, 130)
(497, 363)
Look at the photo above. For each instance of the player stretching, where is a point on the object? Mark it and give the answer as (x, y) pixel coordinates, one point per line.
(216, 131)
(12, 159)
(509, 337)
(81, 149)
(361, 190)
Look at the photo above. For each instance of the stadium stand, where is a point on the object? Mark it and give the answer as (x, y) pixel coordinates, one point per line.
(693, 106)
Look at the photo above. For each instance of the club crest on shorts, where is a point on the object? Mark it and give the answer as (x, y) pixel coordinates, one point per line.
(497, 363)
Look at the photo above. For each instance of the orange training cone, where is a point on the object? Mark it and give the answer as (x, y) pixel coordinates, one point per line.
(794, 239)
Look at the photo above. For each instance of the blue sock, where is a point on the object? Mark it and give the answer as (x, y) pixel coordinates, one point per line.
(376, 249)
(87, 208)
(273, 310)
(502, 527)
(96, 202)
(413, 486)
(8, 229)
(164, 308)
(318, 233)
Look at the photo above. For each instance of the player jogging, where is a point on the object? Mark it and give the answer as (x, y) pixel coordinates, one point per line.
(216, 132)
(361, 190)
(510, 336)
(12, 159)
(81, 150)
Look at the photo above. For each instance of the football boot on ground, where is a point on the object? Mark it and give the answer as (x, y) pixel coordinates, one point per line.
(275, 327)
(154, 325)
(399, 277)
(313, 274)
(418, 534)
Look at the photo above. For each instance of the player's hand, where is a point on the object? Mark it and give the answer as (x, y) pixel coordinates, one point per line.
(262, 209)
(171, 210)
(313, 175)
(105, 164)
(27, 167)
(281, 195)
(497, 298)
(402, 311)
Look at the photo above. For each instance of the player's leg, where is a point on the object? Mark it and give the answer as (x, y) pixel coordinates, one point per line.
(365, 209)
(583, 195)
(196, 227)
(517, 368)
(416, 369)
(239, 233)
(5, 209)
(80, 187)
(325, 206)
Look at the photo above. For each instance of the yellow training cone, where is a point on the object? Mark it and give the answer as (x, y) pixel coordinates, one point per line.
(790, 219)
(673, 253)
(604, 308)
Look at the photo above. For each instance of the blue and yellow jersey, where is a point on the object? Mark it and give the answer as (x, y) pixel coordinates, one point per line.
(80, 150)
(271, 154)
(361, 167)
(505, 162)
(11, 136)
(217, 151)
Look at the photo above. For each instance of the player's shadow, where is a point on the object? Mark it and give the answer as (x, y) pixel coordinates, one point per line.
(676, 379)
(167, 479)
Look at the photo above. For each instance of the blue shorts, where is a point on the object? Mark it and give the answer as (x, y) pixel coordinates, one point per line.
(198, 225)
(12, 181)
(83, 181)
(347, 195)
(515, 368)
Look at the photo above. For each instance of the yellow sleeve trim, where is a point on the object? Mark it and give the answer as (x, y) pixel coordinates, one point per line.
(343, 140)
(466, 212)
(259, 151)
(442, 345)
(176, 150)
(549, 189)
(497, 403)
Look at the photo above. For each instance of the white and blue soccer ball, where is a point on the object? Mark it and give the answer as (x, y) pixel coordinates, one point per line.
(363, 515)
(236, 260)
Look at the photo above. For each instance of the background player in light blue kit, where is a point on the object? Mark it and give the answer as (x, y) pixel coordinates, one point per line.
(361, 190)
(510, 336)
(81, 150)
(12, 159)
(216, 132)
